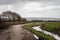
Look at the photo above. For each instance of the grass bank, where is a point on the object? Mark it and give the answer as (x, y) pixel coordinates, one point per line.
(52, 27)
(41, 35)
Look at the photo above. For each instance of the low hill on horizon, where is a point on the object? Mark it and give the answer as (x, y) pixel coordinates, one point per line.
(44, 19)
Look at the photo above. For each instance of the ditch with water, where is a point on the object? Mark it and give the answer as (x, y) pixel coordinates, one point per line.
(57, 37)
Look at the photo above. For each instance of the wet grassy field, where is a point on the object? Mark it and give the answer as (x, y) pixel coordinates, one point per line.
(52, 27)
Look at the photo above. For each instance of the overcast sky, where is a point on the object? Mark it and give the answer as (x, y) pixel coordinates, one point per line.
(32, 8)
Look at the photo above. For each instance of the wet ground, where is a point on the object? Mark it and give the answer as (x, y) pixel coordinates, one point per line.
(16, 32)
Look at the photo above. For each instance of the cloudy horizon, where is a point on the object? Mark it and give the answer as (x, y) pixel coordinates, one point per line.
(32, 8)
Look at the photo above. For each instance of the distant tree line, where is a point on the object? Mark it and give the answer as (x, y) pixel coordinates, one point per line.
(44, 21)
(10, 16)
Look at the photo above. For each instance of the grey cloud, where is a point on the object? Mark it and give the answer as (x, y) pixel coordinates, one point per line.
(53, 12)
(16, 1)
(2, 2)
(58, 1)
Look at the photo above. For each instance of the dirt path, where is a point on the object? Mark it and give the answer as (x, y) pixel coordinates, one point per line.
(16, 32)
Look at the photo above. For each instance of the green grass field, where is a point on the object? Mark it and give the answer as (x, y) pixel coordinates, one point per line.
(52, 27)
(38, 33)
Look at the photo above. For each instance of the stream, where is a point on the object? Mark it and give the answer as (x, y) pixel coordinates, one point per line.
(46, 32)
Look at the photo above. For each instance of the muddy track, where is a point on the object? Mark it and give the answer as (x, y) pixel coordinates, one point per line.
(16, 32)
